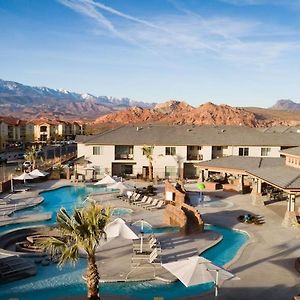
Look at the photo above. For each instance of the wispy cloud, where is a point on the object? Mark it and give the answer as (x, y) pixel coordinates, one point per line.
(222, 37)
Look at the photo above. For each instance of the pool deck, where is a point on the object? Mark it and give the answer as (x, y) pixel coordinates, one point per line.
(265, 265)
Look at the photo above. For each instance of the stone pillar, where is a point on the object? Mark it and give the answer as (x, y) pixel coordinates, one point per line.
(241, 184)
(290, 218)
(206, 174)
(256, 195)
(259, 186)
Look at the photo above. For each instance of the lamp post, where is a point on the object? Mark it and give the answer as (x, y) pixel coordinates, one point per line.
(216, 282)
(142, 235)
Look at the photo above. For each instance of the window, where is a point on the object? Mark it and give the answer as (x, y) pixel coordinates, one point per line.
(265, 151)
(243, 151)
(97, 150)
(170, 150)
(170, 171)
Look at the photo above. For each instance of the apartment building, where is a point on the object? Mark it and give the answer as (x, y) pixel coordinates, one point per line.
(177, 149)
(47, 130)
(14, 130)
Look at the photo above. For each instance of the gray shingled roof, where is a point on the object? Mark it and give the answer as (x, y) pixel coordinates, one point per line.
(292, 151)
(177, 135)
(270, 169)
(244, 163)
(281, 176)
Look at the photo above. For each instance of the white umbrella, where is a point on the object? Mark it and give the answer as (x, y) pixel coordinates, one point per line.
(24, 176)
(197, 270)
(38, 173)
(142, 223)
(122, 186)
(106, 180)
(119, 228)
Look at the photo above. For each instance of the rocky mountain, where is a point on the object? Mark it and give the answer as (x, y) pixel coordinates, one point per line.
(29, 102)
(288, 105)
(175, 112)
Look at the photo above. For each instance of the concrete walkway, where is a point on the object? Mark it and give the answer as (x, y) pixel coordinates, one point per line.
(266, 266)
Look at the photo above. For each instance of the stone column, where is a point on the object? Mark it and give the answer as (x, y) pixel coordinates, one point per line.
(241, 184)
(256, 195)
(206, 174)
(290, 218)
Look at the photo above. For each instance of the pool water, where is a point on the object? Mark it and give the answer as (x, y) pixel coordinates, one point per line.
(52, 282)
(197, 200)
(69, 197)
(121, 211)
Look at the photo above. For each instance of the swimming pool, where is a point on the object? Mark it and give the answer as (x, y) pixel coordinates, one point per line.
(207, 201)
(52, 282)
(68, 197)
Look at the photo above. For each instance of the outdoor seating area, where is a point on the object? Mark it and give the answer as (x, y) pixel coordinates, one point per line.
(251, 219)
(145, 202)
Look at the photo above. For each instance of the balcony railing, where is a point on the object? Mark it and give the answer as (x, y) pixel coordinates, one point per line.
(124, 156)
(195, 157)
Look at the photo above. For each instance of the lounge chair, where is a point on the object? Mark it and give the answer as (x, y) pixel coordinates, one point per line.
(146, 258)
(153, 203)
(160, 204)
(149, 200)
(140, 202)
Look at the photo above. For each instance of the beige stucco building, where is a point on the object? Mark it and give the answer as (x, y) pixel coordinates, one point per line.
(177, 148)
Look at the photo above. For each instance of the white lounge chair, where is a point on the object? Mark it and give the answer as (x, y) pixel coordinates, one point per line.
(140, 202)
(153, 203)
(160, 204)
(149, 200)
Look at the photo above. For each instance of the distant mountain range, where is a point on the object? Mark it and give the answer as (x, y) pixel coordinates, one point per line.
(29, 102)
(26, 102)
(176, 112)
(286, 105)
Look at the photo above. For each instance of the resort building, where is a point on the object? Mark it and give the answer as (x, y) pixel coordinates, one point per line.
(178, 149)
(14, 130)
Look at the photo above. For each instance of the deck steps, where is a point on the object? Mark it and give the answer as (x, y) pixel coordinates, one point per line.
(14, 268)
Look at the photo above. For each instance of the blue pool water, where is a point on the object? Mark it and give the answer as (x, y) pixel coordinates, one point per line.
(68, 197)
(52, 282)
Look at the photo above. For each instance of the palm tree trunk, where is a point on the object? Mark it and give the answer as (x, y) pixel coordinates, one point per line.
(150, 171)
(92, 278)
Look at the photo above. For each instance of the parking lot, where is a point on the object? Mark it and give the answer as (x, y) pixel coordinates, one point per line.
(47, 153)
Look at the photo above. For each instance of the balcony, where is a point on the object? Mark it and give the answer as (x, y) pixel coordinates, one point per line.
(195, 157)
(193, 153)
(123, 152)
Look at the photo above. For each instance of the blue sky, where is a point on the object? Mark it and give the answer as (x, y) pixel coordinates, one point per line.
(238, 52)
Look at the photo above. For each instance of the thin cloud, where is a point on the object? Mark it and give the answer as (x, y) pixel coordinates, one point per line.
(224, 38)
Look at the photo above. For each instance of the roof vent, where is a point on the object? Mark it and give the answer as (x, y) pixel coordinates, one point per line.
(189, 129)
(139, 128)
(298, 130)
(223, 130)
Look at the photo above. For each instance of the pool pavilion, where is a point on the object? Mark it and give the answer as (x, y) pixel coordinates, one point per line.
(268, 179)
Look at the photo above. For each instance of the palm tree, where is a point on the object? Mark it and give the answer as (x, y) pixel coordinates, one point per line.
(31, 155)
(148, 152)
(81, 231)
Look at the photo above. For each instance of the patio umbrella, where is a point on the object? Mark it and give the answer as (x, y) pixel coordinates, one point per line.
(119, 228)
(106, 180)
(122, 186)
(197, 270)
(24, 176)
(201, 187)
(38, 173)
(141, 222)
